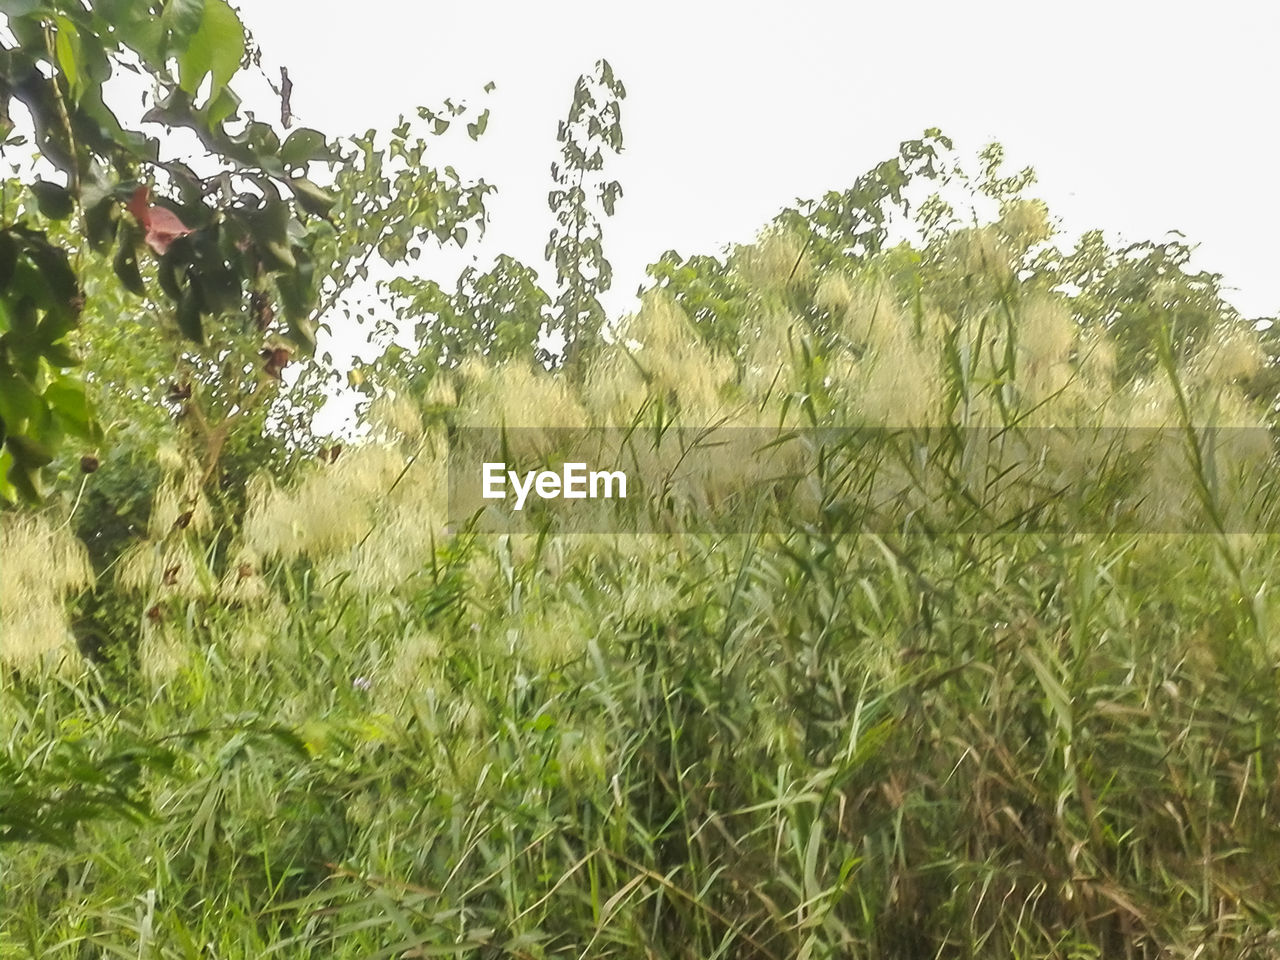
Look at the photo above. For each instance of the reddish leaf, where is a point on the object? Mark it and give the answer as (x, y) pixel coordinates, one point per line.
(138, 206)
(161, 226)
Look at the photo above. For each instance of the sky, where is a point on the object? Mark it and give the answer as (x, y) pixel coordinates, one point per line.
(1139, 118)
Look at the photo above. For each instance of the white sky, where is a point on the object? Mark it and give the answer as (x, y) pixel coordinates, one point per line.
(1138, 117)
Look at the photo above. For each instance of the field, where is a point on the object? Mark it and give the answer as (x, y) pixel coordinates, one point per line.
(322, 725)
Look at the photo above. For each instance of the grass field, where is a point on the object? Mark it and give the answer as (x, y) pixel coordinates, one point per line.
(359, 736)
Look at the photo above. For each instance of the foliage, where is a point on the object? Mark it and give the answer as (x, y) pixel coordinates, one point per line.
(497, 314)
(593, 125)
(504, 312)
(811, 740)
(216, 237)
(242, 236)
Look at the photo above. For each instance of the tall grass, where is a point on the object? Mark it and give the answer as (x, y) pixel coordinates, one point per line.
(808, 741)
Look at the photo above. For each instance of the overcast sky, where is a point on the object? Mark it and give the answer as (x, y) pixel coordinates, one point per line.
(1138, 117)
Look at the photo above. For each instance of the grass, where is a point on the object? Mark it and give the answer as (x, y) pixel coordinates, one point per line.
(810, 742)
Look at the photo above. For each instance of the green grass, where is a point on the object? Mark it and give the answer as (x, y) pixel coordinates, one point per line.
(812, 742)
(821, 747)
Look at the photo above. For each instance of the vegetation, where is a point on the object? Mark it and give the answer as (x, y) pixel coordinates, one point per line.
(259, 696)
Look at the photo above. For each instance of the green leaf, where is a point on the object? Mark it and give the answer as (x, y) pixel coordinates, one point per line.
(304, 145)
(218, 286)
(298, 297)
(25, 480)
(18, 401)
(60, 355)
(125, 262)
(54, 201)
(167, 273)
(271, 235)
(98, 201)
(66, 47)
(221, 107)
(302, 332)
(7, 492)
(8, 257)
(216, 48)
(94, 63)
(474, 130)
(70, 405)
(277, 256)
(137, 28)
(311, 197)
(182, 18)
(18, 8)
(188, 316)
(29, 452)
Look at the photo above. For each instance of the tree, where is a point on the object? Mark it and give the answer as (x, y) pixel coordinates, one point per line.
(593, 125)
(248, 250)
(222, 239)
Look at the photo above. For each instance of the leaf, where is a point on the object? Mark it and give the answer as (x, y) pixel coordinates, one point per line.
(304, 145)
(7, 493)
(8, 257)
(219, 287)
(66, 398)
(98, 201)
(188, 316)
(298, 296)
(18, 401)
(29, 452)
(54, 201)
(25, 480)
(311, 197)
(277, 255)
(18, 8)
(167, 274)
(66, 47)
(182, 18)
(221, 107)
(474, 130)
(216, 48)
(60, 355)
(160, 226)
(125, 262)
(271, 235)
(137, 28)
(303, 333)
(54, 267)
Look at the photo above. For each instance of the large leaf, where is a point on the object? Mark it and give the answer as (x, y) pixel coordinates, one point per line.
(125, 262)
(304, 145)
(183, 18)
(70, 406)
(160, 226)
(311, 197)
(54, 201)
(216, 48)
(66, 47)
(18, 400)
(271, 235)
(188, 315)
(18, 8)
